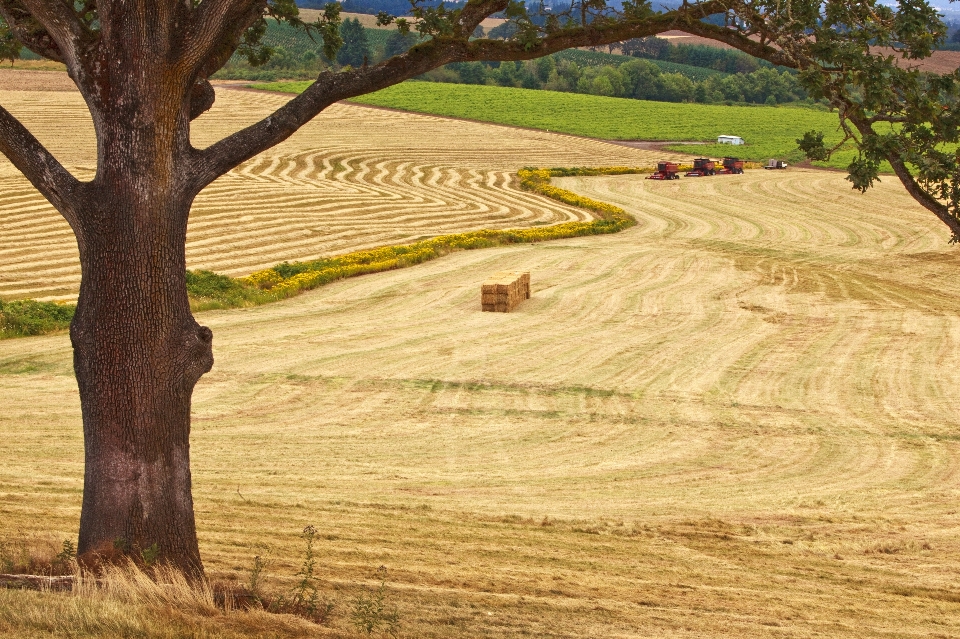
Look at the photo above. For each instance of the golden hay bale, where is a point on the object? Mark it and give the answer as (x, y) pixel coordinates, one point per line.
(504, 290)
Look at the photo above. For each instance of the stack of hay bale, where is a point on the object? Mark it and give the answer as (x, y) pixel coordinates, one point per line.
(504, 290)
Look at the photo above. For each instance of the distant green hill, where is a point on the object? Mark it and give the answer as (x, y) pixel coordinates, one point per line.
(296, 42)
(597, 58)
(770, 132)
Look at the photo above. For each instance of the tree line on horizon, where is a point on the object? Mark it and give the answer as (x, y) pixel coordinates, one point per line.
(637, 79)
(741, 79)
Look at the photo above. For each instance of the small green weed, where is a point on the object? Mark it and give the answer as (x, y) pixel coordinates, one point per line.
(37, 555)
(150, 554)
(371, 611)
(68, 552)
(305, 599)
(255, 584)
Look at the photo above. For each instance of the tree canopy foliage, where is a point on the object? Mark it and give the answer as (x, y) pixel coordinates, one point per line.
(638, 79)
(355, 50)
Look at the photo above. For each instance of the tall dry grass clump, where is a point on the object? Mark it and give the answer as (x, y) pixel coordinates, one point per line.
(127, 601)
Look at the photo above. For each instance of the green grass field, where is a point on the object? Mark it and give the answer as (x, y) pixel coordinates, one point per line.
(768, 131)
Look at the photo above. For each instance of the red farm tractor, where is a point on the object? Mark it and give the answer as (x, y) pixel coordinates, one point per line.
(666, 171)
(703, 167)
(731, 166)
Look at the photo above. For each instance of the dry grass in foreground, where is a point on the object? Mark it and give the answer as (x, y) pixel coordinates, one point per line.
(125, 602)
(736, 419)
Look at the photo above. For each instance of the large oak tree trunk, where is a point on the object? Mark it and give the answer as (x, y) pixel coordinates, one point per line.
(138, 352)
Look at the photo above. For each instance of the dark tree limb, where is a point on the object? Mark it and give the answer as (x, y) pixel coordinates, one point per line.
(922, 196)
(39, 166)
(202, 97)
(28, 31)
(914, 188)
(473, 13)
(62, 25)
(215, 28)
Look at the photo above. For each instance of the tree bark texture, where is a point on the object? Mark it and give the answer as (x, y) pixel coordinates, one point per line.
(138, 351)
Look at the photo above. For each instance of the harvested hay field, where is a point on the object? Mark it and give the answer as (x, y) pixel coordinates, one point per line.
(354, 178)
(736, 419)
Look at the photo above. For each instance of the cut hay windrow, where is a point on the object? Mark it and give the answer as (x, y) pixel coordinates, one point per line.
(209, 290)
(353, 179)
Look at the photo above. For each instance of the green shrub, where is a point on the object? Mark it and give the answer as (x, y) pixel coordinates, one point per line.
(30, 317)
(209, 290)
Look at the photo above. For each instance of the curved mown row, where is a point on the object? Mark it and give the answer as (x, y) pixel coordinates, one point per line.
(210, 290)
(353, 179)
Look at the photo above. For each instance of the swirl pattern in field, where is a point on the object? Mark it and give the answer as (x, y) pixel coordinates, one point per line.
(353, 178)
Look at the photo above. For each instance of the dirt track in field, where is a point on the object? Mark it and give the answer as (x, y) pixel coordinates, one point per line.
(351, 179)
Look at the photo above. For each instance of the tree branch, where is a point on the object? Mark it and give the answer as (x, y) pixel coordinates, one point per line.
(906, 178)
(740, 41)
(214, 29)
(28, 31)
(62, 25)
(922, 196)
(473, 13)
(39, 166)
(202, 97)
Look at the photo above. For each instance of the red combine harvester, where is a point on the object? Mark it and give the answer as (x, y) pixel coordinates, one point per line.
(731, 166)
(666, 171)
(703, 167)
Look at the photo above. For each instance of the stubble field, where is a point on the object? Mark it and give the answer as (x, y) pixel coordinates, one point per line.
(736, 419)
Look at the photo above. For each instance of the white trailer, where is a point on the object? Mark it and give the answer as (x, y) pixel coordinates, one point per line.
(730, 139)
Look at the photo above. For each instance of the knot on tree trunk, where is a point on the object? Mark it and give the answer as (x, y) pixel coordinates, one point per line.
(202, 97)
(197, 349)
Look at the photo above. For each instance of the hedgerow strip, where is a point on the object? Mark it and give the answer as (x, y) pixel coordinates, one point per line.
(21, 318)
(209, 290)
